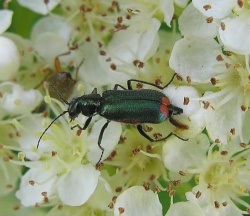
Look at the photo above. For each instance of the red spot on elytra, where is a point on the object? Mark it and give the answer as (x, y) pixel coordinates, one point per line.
(164, 106)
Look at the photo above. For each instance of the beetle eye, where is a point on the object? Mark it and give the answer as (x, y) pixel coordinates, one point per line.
(74, 109)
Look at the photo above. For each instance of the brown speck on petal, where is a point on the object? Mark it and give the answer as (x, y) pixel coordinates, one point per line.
(186, 101)
(198, 194)
(121, 210)
(210, 19)
(207, 7)
(223, 26)
(240, 3)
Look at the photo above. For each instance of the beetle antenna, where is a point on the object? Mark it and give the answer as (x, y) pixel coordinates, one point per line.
(59, 94)
(63, 113)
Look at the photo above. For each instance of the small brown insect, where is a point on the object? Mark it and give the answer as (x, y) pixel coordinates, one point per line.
(60, 79)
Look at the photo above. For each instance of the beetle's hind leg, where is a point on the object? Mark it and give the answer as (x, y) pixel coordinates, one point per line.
(144, 134)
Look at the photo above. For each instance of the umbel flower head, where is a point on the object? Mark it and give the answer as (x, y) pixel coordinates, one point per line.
(194, 162)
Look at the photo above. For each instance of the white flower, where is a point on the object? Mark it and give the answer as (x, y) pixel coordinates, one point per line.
(34, 183)
(15, 100)
(9, 59)
(64, 163)
(221, 172)
(59, 172)
(232, 18)
(137, 201)
(230, 101)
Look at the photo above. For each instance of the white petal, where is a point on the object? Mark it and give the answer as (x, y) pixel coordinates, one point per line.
(6, 18)
(102, 195)
(196, 58)
(167, 7)
(22, 44)
(185, 209)
(75, 187)
(234, 35)
(52, 24)
(137, 201)
(192, 117)
(50, 36)
(9, 59)
(195, 124)
(29, 137)
(39, 6)
(110, 139)
(176, 95)
(149, 40)
(49, 45)
(193, 23)
(219, 9)
(181, 155)
(96, 66)
(142, 44)
(30, 194)
(220, 121)
(20, 101)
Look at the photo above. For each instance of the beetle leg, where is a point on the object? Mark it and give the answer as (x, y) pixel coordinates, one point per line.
(148, 83)
(118, 85)
(77, 70)
(100, 140)
(86, 124)
(170, 81)
(142, 132)
(57, 62)
(169, 135)
(140, 81)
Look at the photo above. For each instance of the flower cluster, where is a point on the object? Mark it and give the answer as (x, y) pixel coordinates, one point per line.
(59, 156)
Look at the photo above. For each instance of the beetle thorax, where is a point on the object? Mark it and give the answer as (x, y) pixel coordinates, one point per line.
(86, 105)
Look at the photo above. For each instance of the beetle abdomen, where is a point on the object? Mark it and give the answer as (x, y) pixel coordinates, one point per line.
(134, 107)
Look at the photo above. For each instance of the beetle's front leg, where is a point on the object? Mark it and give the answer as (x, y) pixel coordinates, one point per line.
(86, 124)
